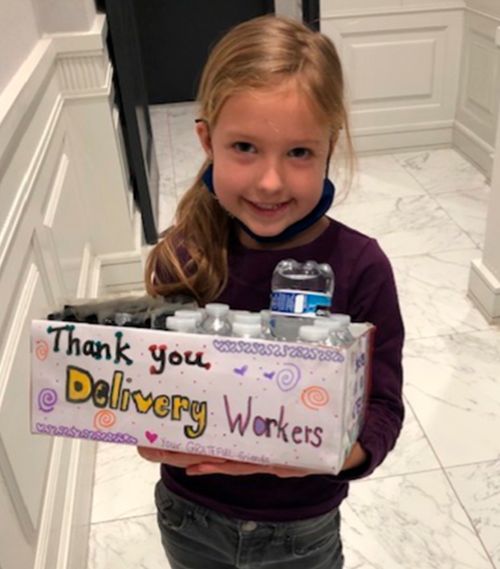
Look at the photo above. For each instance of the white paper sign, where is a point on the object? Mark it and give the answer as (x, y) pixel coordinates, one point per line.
(255, 401)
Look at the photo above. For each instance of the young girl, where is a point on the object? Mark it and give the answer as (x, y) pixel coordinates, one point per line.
(271, 109)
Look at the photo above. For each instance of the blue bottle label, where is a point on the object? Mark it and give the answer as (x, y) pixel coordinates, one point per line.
(298, 302)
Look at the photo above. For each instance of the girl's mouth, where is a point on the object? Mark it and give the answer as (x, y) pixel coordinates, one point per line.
(268, 209)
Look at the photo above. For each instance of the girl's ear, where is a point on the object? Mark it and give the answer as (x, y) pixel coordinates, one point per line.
(203, 133)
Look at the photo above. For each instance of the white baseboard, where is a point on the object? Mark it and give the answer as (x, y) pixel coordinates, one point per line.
(124, 272)
(475, 148)
(484, 291)
(403, 138)
(121, 272)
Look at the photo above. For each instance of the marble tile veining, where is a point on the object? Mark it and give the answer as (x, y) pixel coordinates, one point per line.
(409, 522)
(133, 543)
(124, 484)
(377, 177)
(443, 170)
(412, 225)
(453, 386)
(412, 453)
(433, 293)
(468, 208)
(187, 152)
(478, 486)
(163, 146)
(168, 206)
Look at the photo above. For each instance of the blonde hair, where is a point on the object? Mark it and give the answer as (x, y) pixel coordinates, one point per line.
(191, 256)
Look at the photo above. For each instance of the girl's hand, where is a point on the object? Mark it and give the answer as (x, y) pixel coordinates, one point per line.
(179, 459)
(356, 457)
(233, 468)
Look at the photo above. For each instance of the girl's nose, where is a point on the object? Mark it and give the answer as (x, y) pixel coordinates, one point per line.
(271, 178)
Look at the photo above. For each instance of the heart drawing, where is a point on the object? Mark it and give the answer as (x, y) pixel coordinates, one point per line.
(151, 436)
(240, 370)
(269, 375)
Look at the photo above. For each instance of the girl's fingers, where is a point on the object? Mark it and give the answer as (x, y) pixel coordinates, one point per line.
(179, 459)
(233, 468)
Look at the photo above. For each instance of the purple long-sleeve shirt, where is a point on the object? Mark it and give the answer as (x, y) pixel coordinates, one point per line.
(365, 289)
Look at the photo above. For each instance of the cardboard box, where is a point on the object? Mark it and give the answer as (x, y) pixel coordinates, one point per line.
(258, 401)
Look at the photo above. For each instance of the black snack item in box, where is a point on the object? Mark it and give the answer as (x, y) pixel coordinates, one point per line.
(134, 311)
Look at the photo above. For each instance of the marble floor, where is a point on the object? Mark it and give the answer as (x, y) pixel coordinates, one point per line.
(435, 502)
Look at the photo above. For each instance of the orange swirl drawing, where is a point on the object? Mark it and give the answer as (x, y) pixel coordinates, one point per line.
(315, 397)
(41, 350)
(104, 420)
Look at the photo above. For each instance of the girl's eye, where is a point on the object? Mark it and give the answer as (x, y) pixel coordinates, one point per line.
(244, 147)
(299, 152)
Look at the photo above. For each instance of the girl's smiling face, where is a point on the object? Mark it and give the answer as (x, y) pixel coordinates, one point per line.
(270, 152)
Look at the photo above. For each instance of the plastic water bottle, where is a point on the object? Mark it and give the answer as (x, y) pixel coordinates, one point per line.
(247, 330)
(234, 314)
(339, 317)
(338, 324)
(300, 291)
(189, 314)
(216, 321)
(339, 334)
(313, 334)
(265, 322)
(248, 318)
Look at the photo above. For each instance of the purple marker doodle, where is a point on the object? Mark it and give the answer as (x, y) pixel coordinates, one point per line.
(288, 377)
(47, 399)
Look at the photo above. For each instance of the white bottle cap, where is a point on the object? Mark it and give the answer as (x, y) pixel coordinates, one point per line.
(313, 333)
(233, 313)
(345, 319)
(247, 318)
(322, 321)
(185, 313)
(181, 324)
(246, 330)
(217, 309)
(328, 324)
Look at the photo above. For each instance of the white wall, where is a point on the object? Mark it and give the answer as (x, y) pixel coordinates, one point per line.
(66, 213)
(331, 6)
(23, 22)
(18, 36)
(491, 7)
(401, 60)
(56, 16)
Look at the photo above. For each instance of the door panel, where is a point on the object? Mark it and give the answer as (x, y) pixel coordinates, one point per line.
(24, 464)
(176, 37)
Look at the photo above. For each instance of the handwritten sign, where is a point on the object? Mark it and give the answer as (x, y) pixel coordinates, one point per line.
(256, 401)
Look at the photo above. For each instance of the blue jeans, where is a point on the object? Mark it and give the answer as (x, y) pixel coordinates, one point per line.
(197, 538)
